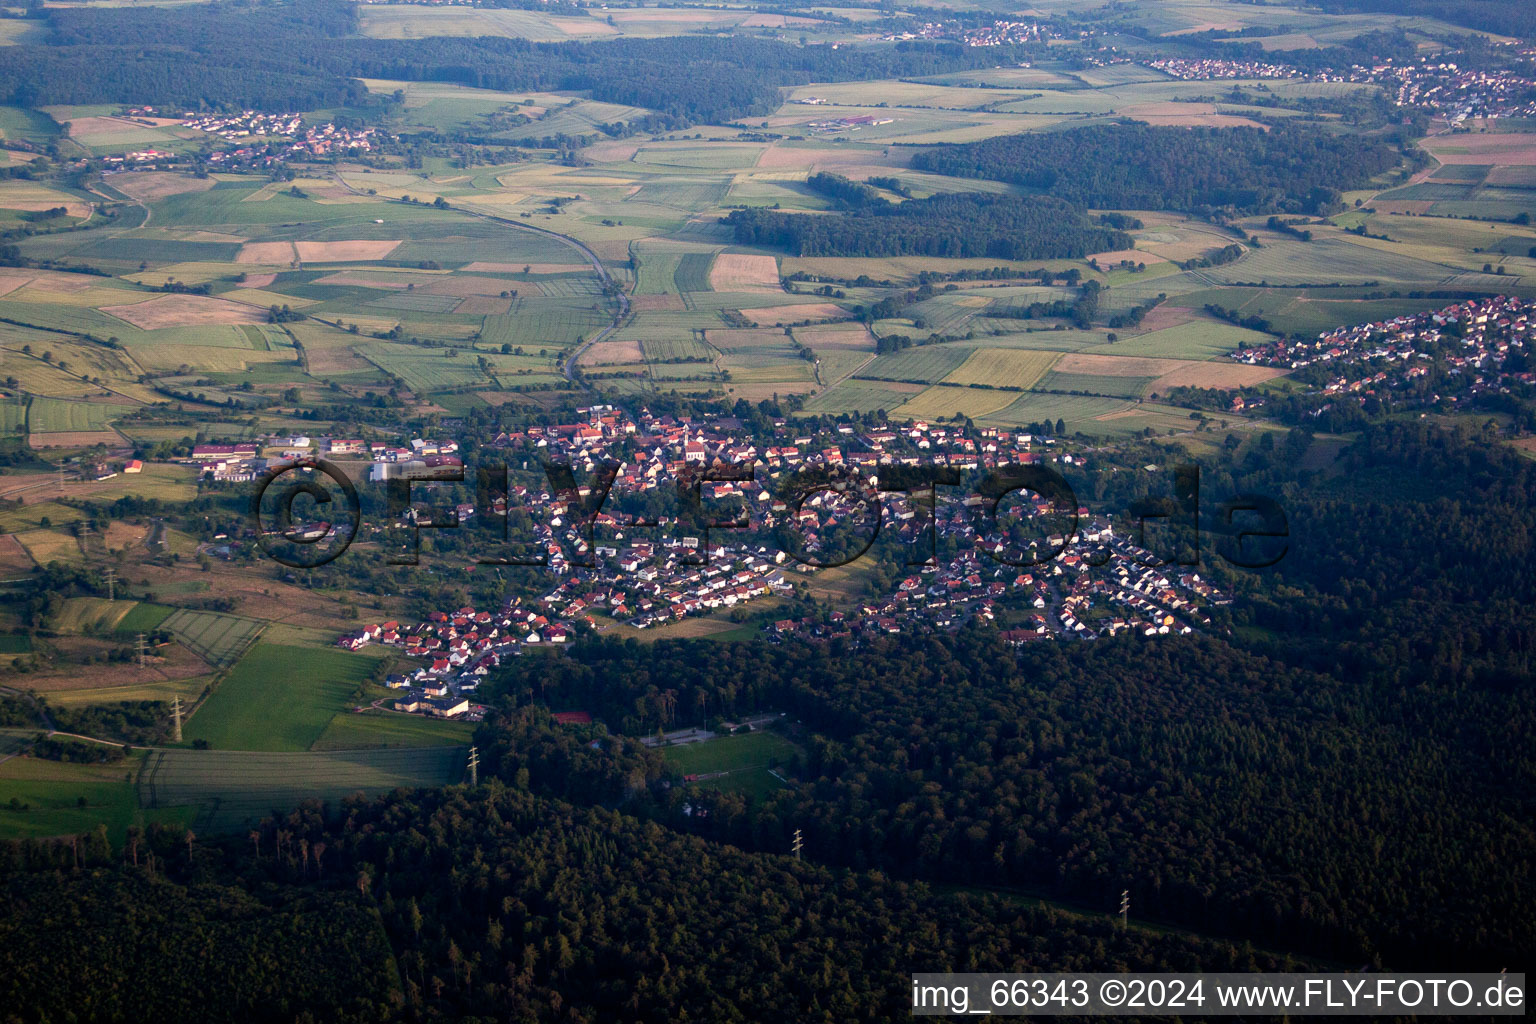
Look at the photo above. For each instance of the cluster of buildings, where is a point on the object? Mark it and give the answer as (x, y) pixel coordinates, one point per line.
(1482, 334)
(258, 139)
(1456, 92)
(1428, 83)
(1210, 69)
(1005, 33)
(999, 33)
(228, 462)
(248, 460)
(245, 125)
(1070, 597)
(615, 559)
(140, 157)
(848, 124)
(625, 563)
(454, 652)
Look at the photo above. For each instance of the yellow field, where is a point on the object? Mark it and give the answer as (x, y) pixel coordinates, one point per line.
(25, 195)
(265, 299)
(735, 272)
(219, 360)
(1003, 367)
(273, 254)
(38, 378)
(48, 546)
(101, 296)
(86, 614)
(188, 690)
(183, 311)
(187, 273)
(1218, 375)
(940, 402)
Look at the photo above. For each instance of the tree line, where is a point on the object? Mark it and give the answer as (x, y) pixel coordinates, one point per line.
(947, 225)
(310, 55)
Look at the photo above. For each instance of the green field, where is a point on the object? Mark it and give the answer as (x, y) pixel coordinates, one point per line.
(189, 689)
(54, 790)
(352, 731)
(1094, 384)
(50, 414)
(143, 617)
(1325, 261)
(928, 364)
(692, 274)
(13, 415)
(1077, 411)
(216, 638)
(1198, 340)
(230, 789)
(854, 395)
(545, 324)
(279, 698)
(658, 272)
(18, 518)
(745, 760)
(427, 369)
(684, 347)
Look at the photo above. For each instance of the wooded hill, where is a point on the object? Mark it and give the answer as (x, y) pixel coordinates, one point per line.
(1138, 167)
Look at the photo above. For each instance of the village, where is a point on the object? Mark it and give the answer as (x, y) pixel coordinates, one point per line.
(1093, 584)
(1428, 83)
(253, 139)
(999, 33)
(1391, 353)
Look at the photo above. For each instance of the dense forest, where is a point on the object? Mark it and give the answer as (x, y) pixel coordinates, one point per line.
(492, 904)
(1316, 778)
(1501, 17)
(1236, 170)
(201, 57)
(1313, 775)
(98, 943)
(950, 225)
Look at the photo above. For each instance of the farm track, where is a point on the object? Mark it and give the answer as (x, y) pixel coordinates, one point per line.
(567, 369)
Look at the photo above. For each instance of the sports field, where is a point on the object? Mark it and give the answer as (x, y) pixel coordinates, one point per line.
(743, 764)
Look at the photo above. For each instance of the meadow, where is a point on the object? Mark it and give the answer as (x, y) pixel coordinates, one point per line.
(379, 729)
(278, 698)
(71, 799)
(224, 790)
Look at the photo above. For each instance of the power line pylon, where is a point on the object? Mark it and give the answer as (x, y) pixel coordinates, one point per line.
(797, 845)
(176, 719)
(474, 766)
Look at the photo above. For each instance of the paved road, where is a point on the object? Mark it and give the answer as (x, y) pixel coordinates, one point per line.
(568, 367)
